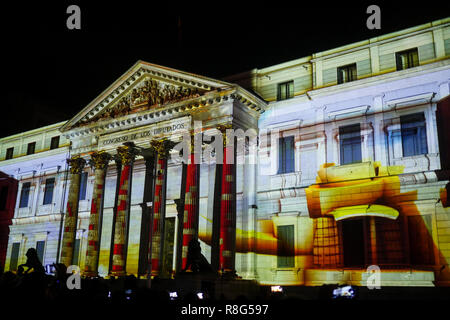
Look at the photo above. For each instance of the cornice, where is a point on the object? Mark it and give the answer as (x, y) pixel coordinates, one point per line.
(379, 79)
(170, 111)
(53, 217)
(33, 132)
(38, 155)
(378, 41)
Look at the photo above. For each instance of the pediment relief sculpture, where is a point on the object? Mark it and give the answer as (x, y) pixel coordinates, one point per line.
(149, 94)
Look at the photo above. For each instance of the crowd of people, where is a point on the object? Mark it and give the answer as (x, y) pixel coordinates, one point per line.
(30, 283)
(30, 287)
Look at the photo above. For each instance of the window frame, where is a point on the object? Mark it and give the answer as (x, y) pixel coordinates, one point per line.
(41, 250)
(76, 251)
(48, 196)
(345, 69)
(9, 153)
(287, 261)
(84, 177)
(25, 186)
(419, 138)
(31, 148)
(289, 94)
(283, 167)
(54, 145)
(343, 141)
(414, 62)
(15, 256)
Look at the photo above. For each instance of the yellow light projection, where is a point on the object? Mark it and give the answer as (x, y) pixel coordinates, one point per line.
(366, 192)
(352, 191)
(346, 199)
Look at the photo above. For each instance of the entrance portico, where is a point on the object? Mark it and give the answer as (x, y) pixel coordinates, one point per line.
(151, 110)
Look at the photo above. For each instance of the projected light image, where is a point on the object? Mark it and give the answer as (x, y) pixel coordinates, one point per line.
(358, 216)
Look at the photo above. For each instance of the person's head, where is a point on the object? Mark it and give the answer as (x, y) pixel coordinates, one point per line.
(31, 253)
(32, 257)
(194, 243)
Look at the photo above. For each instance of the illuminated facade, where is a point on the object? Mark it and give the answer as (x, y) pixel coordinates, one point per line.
(348, 172)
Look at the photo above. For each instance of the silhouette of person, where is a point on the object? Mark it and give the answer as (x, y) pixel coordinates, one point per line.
(193, 256)
(32, 262)
(195, 259)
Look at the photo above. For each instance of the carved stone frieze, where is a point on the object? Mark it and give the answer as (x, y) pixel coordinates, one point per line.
(148, 94)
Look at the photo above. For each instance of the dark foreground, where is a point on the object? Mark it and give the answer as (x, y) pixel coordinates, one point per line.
(32, 293)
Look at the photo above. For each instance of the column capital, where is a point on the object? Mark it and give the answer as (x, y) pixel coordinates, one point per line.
(127, 153)
(162, 147)
(76, 164)
(100, 159)
(223, 129)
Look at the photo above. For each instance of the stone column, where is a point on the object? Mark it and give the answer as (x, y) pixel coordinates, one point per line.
(127, 154)
(99, 161)
(162, 148)
(227, 206)
(70, 218)
(118, 163)
(149, 158)
(191, 204)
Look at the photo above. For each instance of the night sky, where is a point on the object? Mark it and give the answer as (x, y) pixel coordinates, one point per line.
(53, 72)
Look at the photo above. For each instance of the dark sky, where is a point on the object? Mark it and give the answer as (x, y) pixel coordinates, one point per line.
(53, 72)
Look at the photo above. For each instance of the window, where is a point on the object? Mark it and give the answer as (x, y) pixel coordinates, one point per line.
(407, 59)
(76, 252)
(48, 191)
(83, 184)
(285, 90)
(346, 73)
(414, 136)
(286, 247)
(286, 157)
(9, 153)
(3, 197)
(54, 143)
(31, 148)
(40, 245)
(353, 238)
(24, 195)
(14, 256)
(350, 144)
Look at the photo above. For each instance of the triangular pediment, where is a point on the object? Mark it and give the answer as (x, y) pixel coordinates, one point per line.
(144, 86)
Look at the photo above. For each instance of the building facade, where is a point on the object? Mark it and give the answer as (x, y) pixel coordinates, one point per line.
(8, 194)
(348, 170)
